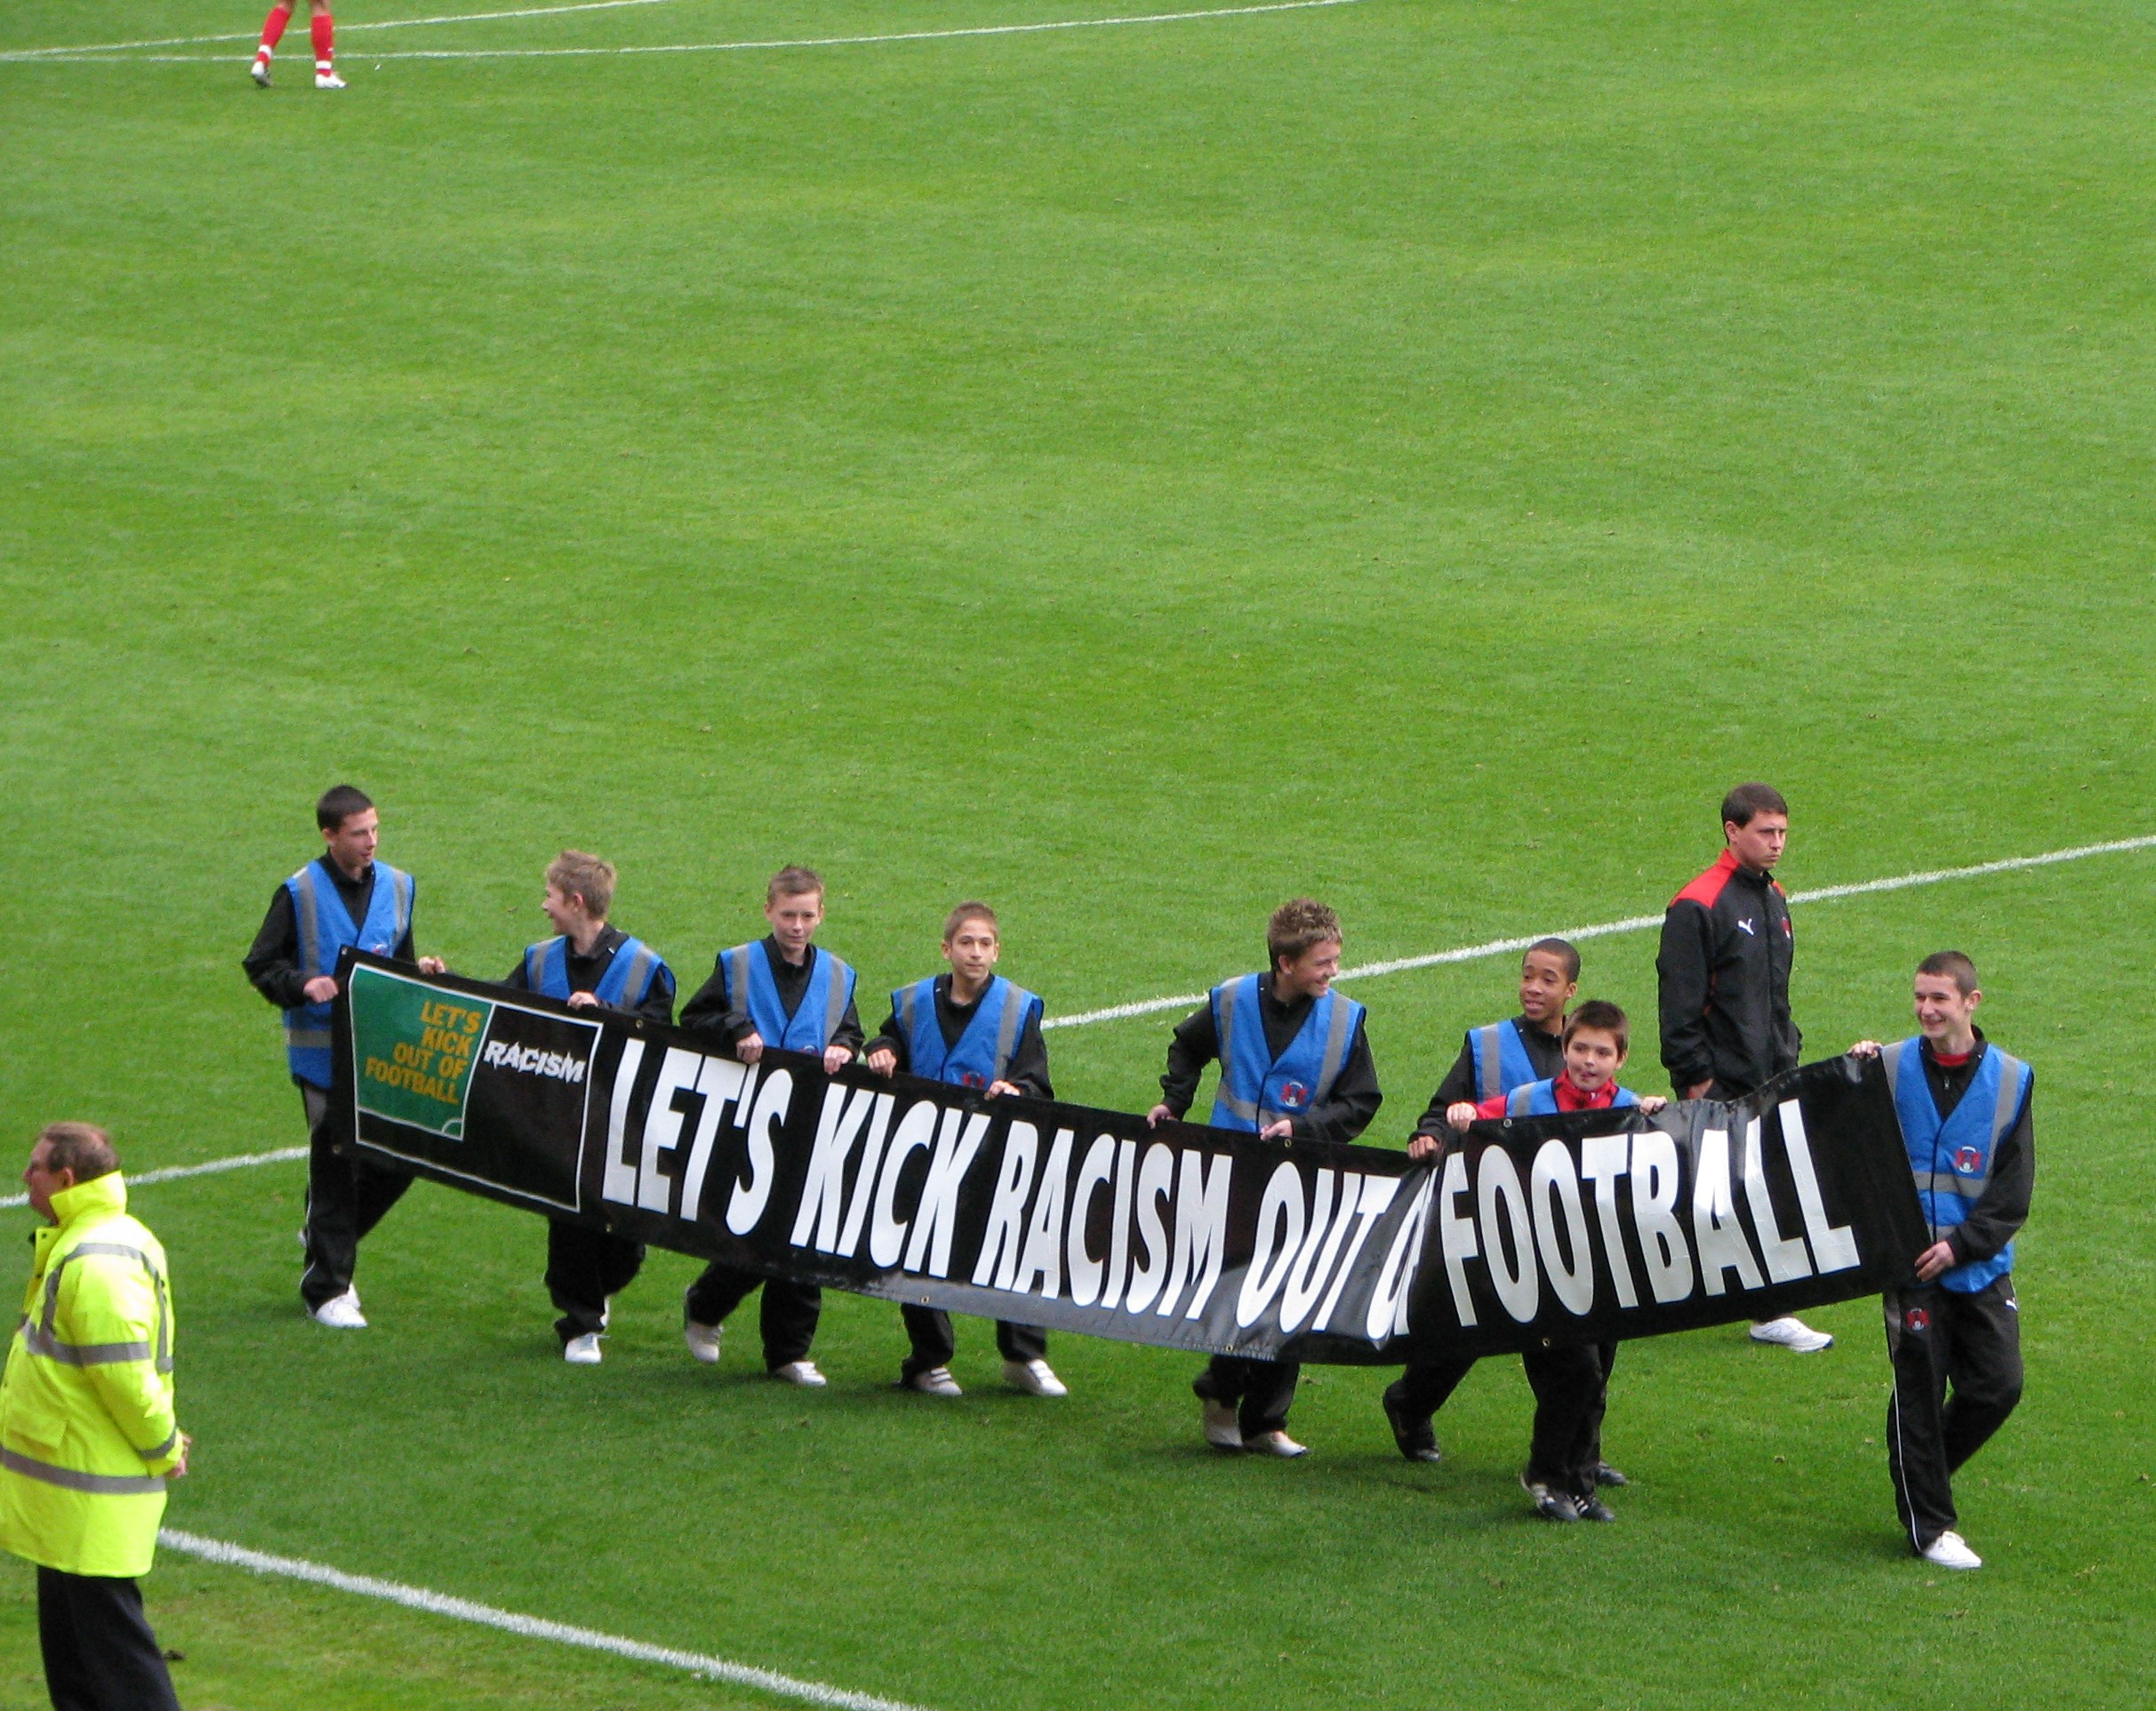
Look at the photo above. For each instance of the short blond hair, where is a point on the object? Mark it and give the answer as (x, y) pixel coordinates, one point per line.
(576, 873)
(793, 880)
(1297, 927)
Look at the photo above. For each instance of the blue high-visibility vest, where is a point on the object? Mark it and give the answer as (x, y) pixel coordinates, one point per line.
(626, 983)
(1538, 1099)
(1952, 1157)
(325, 928)
(1500, 1060)
(746, 970)
(983, 1051)
(1257, 1088)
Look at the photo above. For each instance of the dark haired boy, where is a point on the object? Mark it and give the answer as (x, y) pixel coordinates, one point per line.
(782, 991)
(1494, 1059)
(971, 1027)
(1294, 1065)
(1564, 1454)
(590, 964)
(344, 896)
(1723, 969)
(1967, 1116)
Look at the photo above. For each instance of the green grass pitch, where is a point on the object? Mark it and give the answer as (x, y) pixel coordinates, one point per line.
(1416, 453)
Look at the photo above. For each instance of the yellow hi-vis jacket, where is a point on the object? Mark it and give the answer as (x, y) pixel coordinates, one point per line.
(87, 1431)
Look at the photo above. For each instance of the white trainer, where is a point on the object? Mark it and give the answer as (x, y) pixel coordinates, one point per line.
(936, 1381)
(801, 1372)
(1792, 1333)
(582, 1351)
(260, 72)
(1950, 1550)
(703, 1340)
(1222, 1430)
(341, 1312)
(327, 79)
(1275, 1444)
(1035, 1378)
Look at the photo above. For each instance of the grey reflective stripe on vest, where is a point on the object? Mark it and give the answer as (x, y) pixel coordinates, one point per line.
(82, 1353)
(308, 1039)
(1516, 1102)
(2010, 1068)
(1891, 1056)
(1493, 1070)
(737, 959)
(1335, 1048)
(309, 921)
(904, 997)
(1223, 1023)
(833, 1002)
(1006, 1030)
(162, 1352)
(639, 975)
(402, 886)
(98, 1484)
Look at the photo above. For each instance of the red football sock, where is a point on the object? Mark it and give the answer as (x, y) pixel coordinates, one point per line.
(273, 27)
(323, 28)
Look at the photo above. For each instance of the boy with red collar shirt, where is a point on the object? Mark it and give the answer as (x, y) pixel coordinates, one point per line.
(1564, 1453)
(1965, 1110)
(971, 1027)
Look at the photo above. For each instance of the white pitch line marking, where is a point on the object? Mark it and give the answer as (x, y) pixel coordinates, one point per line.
(342, 30)
(1634, 924)
(77, 58)
(530, 1628)
(172, 1173)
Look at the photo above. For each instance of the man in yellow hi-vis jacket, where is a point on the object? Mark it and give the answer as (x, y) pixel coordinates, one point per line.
(87, 1433)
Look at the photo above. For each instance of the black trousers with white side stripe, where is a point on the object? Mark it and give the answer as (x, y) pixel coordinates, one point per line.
(1957, 1375)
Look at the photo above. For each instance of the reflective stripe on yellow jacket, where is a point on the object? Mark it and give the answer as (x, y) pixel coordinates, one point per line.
(87, 1431)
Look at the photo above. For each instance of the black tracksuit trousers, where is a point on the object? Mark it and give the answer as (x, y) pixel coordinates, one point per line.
(1571, 1386)
(934, 1342)
(1261, 1392)
(584, 1266)
(1939, 1339)
(347, 1196)
(100, 1654)
(787, 1312)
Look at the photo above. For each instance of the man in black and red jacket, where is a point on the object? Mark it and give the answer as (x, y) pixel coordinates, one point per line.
(1726, 946)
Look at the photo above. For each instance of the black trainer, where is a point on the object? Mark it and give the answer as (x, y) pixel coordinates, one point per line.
(1606, 1475)
(1415, 1439)
(1550, 1503)
(1593, 1509)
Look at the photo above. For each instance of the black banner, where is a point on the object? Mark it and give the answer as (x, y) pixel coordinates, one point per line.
(1602, 1225)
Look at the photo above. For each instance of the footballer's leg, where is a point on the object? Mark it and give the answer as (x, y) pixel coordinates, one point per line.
(273, 32)
(324, 29)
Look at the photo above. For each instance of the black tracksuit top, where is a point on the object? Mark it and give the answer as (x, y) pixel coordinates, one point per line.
(1726, 945)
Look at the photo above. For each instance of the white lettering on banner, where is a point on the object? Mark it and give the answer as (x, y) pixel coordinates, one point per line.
(1552, 1181)
(1201, 1232)
(746, 1205)
(1456, 1235)
(534, 1060)
(1118, 1224)
(677, 1072)
(1093, 1175)
(1377, 1194)
(998, 1260)
(1785, 1258)
(617, 1179)
(1156, 1179)
(1662, 1237)
(1387, 1315)
(915, 1132)
(1716, 1232)
(1603, 1159)
(1306, 1278)
(1833, 1245)
(1498, 1194)
(1282, 1218)
(936, 1219)
(865, 1179)
(1043, 1259)
(838, 1125)
(721, 1081)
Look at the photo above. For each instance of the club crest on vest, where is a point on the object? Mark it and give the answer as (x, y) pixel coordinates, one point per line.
(1294, 1095)
(1917, 1319)
(1968, 1160)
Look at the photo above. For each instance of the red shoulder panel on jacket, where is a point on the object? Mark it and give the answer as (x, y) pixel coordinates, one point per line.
(1708, 887)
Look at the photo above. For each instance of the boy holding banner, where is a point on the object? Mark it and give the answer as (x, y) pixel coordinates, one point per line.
(1294, 1065)
(785, 992)
(344, 896)
(590, 965)
(1494, 1061)
(971, 1027)
(1569, 1380)
(1964, 1108)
